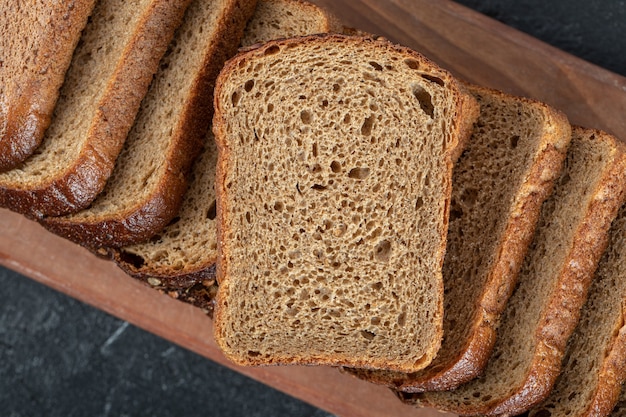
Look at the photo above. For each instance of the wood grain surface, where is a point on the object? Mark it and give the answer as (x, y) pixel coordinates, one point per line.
(470, 45)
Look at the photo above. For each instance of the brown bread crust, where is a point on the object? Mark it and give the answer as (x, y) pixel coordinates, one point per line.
(219, 128)
(76, 186)
(26, 109)
(563, 309)
(142, 221)
(471, 358)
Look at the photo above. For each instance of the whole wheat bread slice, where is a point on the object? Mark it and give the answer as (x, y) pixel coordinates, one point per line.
(180, 260)
(110, 72)
(594, 367)
(505, 173)
(541, 314)
(146, 187)
(333, 187)
(37, 40)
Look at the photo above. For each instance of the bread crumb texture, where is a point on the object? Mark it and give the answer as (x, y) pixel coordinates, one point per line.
(333, 184)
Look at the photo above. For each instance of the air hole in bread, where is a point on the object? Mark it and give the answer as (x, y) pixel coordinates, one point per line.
(318, 187)
(359, 173)
(335, 166)
(514, 141)
(368, 335)
(383, 251)
(249, 85)
(412, 64)
(130, 258)
(336, 87)
(419, 203)
(235, 98)
(368, 123)
(433, 79)
(272, 50)
(376, 66)
(402, 319)
(425, 100)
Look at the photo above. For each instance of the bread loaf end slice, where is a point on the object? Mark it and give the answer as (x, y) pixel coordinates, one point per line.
(180, 259)
(594, 366)
(504, 175)
(37, 41)
(571, 236)
(333, 188)
(113, 65)
(146, 187)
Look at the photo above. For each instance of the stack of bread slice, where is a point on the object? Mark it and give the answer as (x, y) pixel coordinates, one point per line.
(358, 205)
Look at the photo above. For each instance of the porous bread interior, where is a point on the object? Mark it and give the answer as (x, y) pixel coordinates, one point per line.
(189, 241)
(274, 19)
(95, 59)
(600, 322)
(334, 198)
(539, 277)
(142, 163)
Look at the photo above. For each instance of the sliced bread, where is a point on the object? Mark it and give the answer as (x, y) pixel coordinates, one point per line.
(110, 72)
(333, 186)
(505, 173)
(275, 19)
(37, 40)
(571, 236)
(146, 187)
(180, 260)
(594, 366)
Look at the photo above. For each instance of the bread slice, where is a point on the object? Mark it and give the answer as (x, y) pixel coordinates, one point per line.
(541, 314)
(594, 366)
(275, 19)
(37, 40)
(180, 260)
(146, 187)
(110, 72)
(505, 173)
(333, 187)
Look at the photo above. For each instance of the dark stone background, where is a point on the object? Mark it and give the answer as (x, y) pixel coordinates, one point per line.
(59, 357)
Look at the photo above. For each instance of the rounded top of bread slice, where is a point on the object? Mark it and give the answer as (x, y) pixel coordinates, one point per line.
(333, 187)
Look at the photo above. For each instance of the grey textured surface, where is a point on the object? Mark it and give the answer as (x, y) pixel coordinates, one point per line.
(59, 357)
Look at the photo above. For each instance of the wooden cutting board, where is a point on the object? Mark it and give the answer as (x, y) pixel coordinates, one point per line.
(473, 47)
